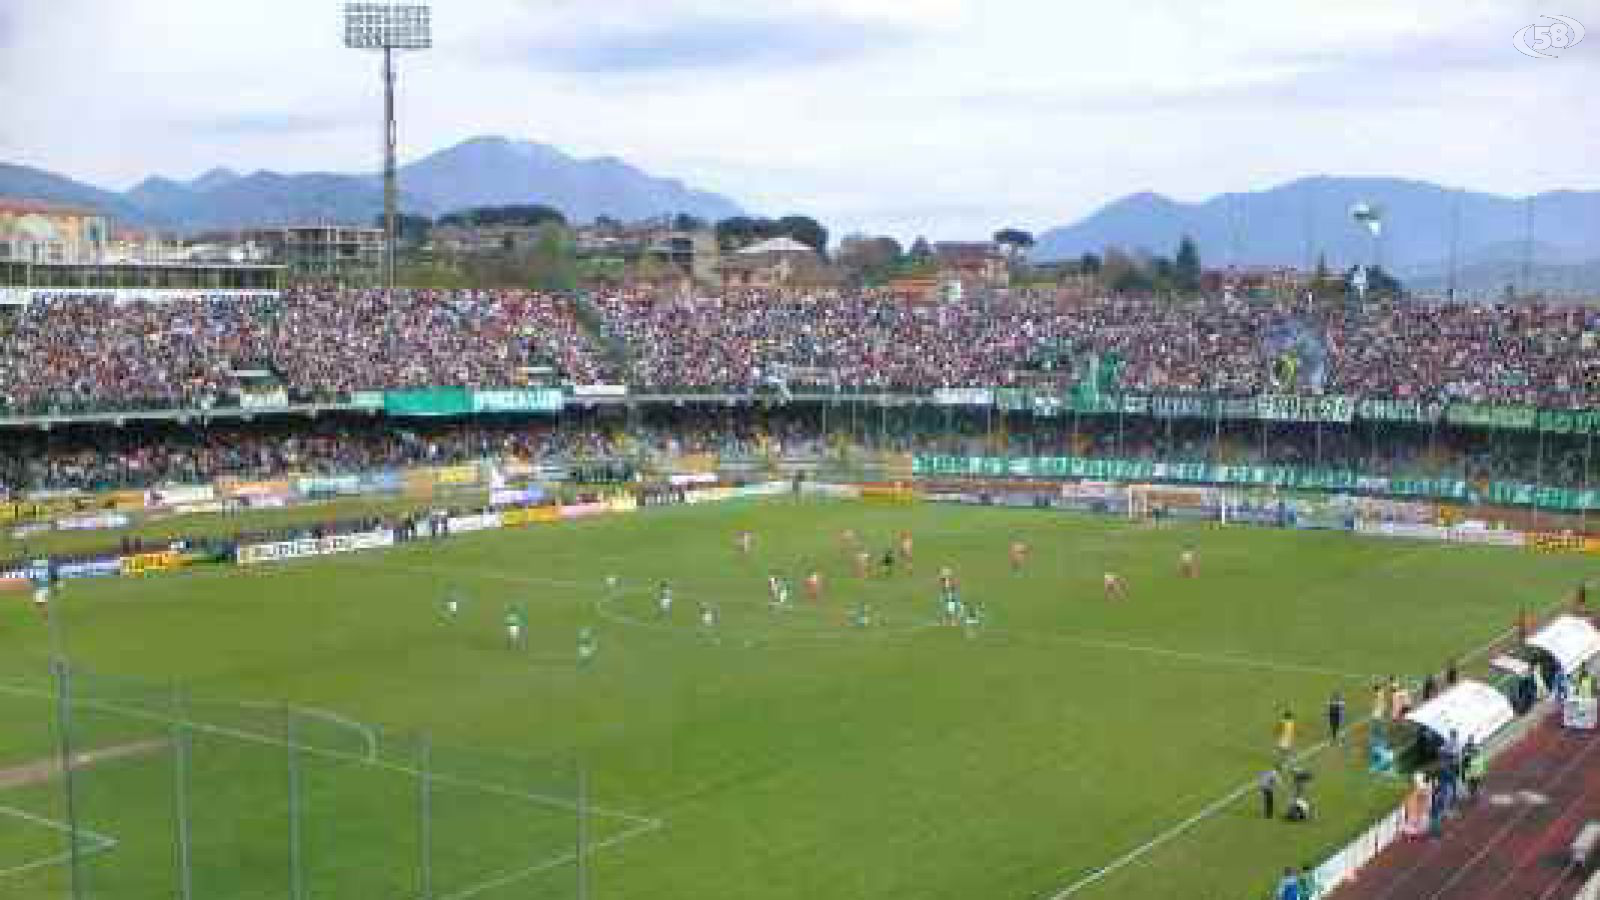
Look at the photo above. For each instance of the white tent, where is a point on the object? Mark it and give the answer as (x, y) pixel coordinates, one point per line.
(1471, 709)
(1571, 641)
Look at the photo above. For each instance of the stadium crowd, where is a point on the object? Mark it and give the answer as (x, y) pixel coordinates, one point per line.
(79, 354)
(89, 457)
(85, 355)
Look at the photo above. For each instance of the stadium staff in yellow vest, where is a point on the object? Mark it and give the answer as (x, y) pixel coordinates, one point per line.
(1285, 737)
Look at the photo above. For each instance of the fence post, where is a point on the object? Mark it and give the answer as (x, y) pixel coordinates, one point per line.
(296, 876)
(424, 818)
(63, 673)
(180, 793)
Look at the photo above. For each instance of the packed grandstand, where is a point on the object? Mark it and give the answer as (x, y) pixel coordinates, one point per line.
(1479, 394)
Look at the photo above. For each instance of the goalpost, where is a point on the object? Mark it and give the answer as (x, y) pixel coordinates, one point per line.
(1144, 500)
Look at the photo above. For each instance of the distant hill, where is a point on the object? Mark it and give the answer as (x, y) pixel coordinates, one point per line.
(477, 172)
(490, 171)
(37, 184)
(1288, 224)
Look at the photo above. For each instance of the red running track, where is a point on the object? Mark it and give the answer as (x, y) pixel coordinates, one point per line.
(1512, 844)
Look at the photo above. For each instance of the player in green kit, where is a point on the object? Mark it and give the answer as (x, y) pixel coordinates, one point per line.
(588, 646)
(862, 616)
(664, 600)
(516, 627)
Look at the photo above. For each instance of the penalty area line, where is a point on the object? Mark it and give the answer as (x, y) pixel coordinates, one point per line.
(96, 842)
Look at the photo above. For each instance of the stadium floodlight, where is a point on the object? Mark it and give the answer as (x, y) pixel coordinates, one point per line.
(388, 27)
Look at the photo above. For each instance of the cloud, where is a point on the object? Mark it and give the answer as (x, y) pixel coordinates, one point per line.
(245, 125)
(696, 44)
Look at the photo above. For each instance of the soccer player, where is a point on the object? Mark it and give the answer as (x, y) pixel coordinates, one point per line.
(1188, 565)
(588, 645)
(814, 585)
(778, 586)
(905, 549)
(972, 620)
(516, 625)
(863, 563)
(39, 573)
(613, 584)
(862, 615)
(1019, 556)
(708, 620)
(951, 601)
(747, 542)
(888, 563)
(41, 599)
(1116, 588)
(848, 539)
(664, 600)
(452, 604)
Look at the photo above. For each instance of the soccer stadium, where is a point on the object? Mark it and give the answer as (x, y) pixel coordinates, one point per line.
(376, 537)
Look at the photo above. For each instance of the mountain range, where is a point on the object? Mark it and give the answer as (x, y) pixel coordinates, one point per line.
(1429, 231)
(1424, 227)
(476, 172)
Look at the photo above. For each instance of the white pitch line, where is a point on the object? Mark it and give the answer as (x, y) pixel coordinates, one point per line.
(250, 737)
(1135, 853)
(1224, 659)
(100, 842)
(551, 863)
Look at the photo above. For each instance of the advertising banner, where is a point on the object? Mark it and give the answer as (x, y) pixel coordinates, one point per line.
(1288, 408)
(540, 400)
(144, 563)
(92, 568)
(1479, 415)
(173, 495)
(599, 390)
(479, 522)
(443, 401)
(341, 543)
(327, 485)
(366, 399)
(963, 397)
(513, 518)
(93, 522)
(1413, 412)
(255, 489)
(456, 476)
(275, 399)
(583, 510)
(1570, 421)
(528, 496)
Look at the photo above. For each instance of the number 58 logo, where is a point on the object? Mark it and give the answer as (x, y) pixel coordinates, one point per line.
(1546, 41)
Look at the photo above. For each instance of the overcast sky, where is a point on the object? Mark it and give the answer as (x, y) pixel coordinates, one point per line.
(946, 117)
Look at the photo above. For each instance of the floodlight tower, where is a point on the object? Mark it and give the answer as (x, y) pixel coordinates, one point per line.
(388, 27)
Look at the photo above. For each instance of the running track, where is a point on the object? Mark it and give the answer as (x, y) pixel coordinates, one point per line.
(1512, 844)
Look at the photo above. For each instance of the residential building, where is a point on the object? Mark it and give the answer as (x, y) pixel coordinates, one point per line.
(35, 231)
(975, 265)
(321, 251)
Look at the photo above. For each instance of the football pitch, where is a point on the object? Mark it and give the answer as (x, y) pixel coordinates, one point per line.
(262, 728)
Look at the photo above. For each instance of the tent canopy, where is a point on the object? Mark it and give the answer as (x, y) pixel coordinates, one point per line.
(1471, 709)
(1570, 640)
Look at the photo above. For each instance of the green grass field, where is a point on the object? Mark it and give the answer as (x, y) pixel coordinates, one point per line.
(789, 754)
